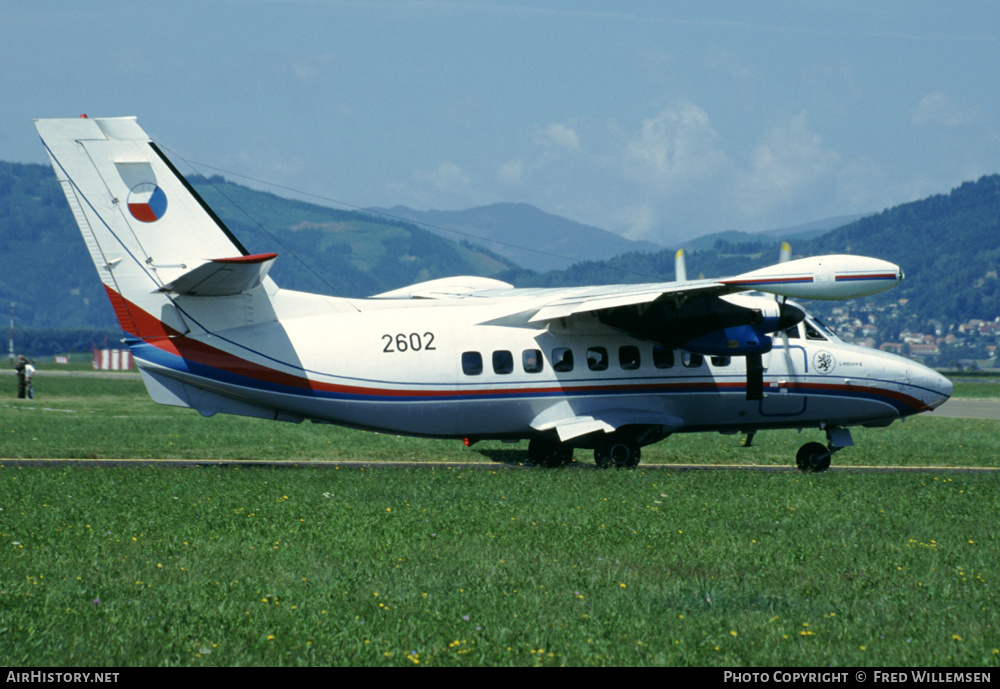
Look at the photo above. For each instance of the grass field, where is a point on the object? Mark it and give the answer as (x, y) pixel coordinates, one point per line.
(497, 565)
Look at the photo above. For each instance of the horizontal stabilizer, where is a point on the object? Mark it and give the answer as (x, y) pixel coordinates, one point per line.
(223, 277)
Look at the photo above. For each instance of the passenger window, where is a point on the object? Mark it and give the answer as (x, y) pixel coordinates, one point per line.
(472, 363)
(503, 362)
(721, 360)
(597, 359)
(628, 357)
(663, 357)
(562, 359)
(531, 360)
(692, 360)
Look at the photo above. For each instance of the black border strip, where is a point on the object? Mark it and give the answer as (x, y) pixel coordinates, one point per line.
(201, 201)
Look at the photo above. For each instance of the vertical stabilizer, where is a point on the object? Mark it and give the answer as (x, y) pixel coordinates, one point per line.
(143, 223)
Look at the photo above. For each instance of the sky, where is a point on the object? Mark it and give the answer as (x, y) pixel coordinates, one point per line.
(655, 120)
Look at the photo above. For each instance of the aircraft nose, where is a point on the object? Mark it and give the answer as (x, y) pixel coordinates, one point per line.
(936, 388)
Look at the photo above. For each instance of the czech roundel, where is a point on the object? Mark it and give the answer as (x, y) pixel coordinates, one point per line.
(147, 202)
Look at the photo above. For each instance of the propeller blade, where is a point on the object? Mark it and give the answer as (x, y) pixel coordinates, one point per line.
(785, 254)
(755, 376)
(680, 267)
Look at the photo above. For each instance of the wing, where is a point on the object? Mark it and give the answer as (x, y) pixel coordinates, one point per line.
(702, 316)
(710, 316)
(823, 277)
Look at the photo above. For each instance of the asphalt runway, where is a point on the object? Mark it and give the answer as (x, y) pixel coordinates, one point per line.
(969, 409)
(492, 466)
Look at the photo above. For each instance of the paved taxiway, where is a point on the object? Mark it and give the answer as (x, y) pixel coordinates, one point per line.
(969, 409)
(494, 466)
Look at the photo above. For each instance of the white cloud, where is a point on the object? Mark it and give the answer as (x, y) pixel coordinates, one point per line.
(511, 173)
(938, 108)
(786, 164)
(676, 147)
(447, 178)
(561, 136)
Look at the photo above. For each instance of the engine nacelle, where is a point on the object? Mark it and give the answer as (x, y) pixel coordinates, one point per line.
(740, 340)
(710, 325)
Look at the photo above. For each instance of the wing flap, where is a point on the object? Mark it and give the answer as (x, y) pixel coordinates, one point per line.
(641, 294)
(569, 424)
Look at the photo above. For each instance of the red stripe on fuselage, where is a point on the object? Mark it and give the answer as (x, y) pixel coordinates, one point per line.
(167, 339)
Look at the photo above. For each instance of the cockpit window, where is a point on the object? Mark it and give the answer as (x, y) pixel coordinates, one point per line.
(824, 328)
(815, 330)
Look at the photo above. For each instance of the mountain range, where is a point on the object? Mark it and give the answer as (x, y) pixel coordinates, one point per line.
(509, 229)
(948, 245)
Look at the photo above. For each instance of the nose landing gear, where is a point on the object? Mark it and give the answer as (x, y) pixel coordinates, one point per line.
(815, 457)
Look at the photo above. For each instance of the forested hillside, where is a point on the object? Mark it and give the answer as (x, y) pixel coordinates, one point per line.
(948, 245)
(50, 278)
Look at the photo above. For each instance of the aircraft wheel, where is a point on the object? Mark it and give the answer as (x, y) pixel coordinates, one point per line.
(547, 453)
(813, 457)
(617, 452)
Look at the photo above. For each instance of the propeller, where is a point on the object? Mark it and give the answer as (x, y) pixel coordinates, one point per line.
(680, 267)
(790, 316)
(712, 326)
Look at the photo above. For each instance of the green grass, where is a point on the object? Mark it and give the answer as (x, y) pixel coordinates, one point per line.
(94, 418)
(495, 565)
(986, 390)
(159, 566)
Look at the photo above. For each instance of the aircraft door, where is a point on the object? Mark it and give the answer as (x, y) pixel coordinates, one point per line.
(783, 365)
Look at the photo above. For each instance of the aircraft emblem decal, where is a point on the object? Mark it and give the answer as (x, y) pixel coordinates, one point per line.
(147, 202)
(824, 362)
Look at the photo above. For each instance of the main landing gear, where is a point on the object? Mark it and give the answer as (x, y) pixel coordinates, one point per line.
(613, 450)
(617, 452)
(545, 452)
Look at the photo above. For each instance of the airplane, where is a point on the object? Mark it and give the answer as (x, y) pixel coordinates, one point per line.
(605, 368)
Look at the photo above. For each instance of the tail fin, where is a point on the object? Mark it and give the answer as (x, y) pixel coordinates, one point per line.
(149, 233)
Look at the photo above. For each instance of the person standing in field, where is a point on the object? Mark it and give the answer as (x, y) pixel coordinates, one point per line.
(22, 376)
(29, 376)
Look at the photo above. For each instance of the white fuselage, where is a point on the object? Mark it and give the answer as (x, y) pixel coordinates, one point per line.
(410, 367)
